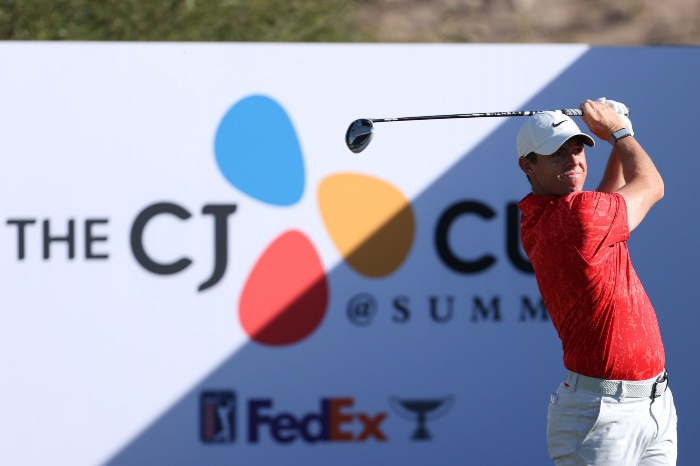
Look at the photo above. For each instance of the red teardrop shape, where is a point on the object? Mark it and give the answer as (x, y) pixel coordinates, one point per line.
(286, 294)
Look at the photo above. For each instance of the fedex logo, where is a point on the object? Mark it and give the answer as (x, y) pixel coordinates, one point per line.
(336, 421)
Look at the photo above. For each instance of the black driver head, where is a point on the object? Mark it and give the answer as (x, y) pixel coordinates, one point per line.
(359, 135)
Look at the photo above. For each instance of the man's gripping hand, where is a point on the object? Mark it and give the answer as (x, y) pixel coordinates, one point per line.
(602, 119)
(621, 109)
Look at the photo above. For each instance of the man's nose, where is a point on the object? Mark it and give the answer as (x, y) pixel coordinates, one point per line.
(571, 158)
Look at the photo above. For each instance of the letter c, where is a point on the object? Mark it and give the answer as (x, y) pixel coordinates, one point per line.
(442, 231)
(137, 238)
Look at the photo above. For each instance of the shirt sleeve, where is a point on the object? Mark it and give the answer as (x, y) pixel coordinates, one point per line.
(601, 219)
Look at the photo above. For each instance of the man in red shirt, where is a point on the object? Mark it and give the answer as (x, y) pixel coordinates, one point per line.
(615, 407)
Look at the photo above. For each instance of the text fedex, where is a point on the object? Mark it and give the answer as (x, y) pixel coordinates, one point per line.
(336, 421)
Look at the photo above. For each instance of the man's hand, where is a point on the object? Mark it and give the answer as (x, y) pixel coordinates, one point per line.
(601, 119)
(621, 109)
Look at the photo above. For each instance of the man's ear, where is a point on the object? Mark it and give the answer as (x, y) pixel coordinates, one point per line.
(525, 165)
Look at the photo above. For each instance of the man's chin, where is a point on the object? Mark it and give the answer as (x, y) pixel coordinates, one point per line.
(571, 189)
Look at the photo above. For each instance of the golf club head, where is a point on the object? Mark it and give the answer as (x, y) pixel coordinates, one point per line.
(359, 135)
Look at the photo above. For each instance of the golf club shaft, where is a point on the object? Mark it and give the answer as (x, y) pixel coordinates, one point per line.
(566, 111)
(359, 133)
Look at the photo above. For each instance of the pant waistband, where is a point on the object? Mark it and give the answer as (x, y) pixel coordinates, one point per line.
(630, 389)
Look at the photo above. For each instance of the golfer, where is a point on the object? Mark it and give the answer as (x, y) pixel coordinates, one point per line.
(614, 408)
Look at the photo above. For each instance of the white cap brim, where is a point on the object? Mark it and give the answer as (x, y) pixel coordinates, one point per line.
(545, 132)
(553, 144)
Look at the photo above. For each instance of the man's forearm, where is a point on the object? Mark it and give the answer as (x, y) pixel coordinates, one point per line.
(613, 178)
(637, 168)
(643, 184)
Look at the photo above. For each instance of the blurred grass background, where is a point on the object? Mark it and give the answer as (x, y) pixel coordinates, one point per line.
(600, 22)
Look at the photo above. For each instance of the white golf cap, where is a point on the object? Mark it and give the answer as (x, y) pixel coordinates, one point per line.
(545, 132)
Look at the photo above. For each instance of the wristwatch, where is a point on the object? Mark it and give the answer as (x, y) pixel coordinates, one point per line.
(619, 134)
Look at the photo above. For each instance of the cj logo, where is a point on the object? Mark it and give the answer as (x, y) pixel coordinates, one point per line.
(371, 223)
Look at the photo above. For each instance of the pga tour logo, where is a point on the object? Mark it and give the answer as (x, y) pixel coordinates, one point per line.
(218, 416)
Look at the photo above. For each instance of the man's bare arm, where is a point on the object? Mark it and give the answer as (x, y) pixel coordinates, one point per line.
(644, 186)
(613, 178)
(630, 170)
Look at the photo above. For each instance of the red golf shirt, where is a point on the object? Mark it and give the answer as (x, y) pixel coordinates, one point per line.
(577, 245)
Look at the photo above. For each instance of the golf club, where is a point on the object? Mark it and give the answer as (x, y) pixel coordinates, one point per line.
(360, 132)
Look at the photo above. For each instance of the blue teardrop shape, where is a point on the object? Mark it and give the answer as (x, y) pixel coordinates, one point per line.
(258, 151)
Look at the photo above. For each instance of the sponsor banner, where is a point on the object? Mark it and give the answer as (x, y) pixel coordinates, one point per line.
(199, 271)
(335, 420)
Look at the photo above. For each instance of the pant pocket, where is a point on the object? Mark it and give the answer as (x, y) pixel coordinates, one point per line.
(571, 419)
(590, 419)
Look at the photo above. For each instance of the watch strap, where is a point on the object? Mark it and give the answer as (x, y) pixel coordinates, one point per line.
(619, 134)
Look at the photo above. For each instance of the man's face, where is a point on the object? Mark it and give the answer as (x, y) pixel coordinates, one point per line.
(560, 173)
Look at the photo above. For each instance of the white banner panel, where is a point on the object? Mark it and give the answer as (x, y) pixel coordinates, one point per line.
(198, 271)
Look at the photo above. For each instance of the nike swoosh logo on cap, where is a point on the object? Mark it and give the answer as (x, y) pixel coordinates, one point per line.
(557, 124)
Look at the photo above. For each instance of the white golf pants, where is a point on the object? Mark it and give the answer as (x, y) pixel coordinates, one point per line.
(585, 428)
